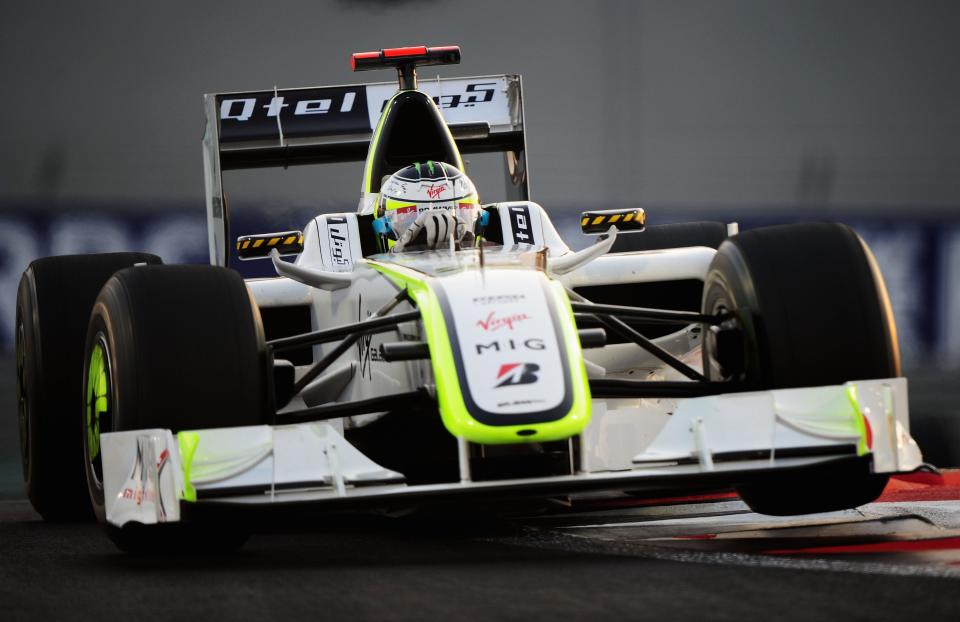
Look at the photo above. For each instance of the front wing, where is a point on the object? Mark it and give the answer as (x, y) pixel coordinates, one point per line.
(150, 476)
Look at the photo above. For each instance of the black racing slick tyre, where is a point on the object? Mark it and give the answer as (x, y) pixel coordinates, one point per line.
(822, 488)
(808, 308)
(811, 309)
(54, 300)
(174, 347)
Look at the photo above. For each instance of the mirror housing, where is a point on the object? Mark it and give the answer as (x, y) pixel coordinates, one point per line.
(596, 222)
(259, 246)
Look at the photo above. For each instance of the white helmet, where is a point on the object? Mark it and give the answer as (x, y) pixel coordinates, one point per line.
(408, 211)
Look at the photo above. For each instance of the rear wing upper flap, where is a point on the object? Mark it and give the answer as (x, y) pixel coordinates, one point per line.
(334, 123)
(283, 127)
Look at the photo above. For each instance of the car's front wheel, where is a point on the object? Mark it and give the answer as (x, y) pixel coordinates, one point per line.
(808, 307)
(172, 347)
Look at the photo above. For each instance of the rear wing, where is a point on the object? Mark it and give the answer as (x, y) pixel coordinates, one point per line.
(284, 127)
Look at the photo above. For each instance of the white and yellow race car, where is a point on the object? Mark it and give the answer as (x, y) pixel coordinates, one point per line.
(173, 399)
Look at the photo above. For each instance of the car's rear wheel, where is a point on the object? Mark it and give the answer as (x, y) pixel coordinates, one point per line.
(809, 308)
(53, 306)
(178, 348)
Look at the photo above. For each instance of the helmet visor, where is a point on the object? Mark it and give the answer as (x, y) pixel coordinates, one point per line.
(402, 201)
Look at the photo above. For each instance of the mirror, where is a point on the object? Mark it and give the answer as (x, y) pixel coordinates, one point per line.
(598, 221)
(259, 246)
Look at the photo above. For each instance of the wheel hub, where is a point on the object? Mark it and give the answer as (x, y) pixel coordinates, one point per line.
(98, 404)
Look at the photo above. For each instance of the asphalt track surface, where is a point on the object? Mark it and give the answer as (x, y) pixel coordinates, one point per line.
(705, 560)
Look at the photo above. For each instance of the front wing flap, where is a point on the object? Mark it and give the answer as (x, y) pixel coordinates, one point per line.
(720, 440)
(864, 417)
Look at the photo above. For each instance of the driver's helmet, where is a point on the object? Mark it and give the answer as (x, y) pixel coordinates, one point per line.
(420, 188)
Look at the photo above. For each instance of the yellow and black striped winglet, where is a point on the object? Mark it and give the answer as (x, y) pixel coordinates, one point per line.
(599, 221)
(260, 245)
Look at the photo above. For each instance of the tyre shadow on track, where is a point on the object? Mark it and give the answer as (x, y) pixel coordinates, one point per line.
(341, 542)
(345, 540)
(387, 568)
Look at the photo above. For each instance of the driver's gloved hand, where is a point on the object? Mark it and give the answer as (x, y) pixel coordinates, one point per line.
(429, 231)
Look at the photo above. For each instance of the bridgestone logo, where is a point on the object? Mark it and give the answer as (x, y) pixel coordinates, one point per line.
(512, 374)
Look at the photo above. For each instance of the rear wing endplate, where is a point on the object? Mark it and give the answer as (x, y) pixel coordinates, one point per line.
(284, 127)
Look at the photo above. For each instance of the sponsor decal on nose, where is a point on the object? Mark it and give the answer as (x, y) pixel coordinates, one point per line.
(512, 374)
(495, 322)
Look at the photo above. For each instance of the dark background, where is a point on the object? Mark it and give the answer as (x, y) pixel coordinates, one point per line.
(685, 103)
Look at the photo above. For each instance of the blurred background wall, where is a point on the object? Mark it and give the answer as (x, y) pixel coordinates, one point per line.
(757, 111)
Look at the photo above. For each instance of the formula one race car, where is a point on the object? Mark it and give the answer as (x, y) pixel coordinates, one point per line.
(429, 350)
